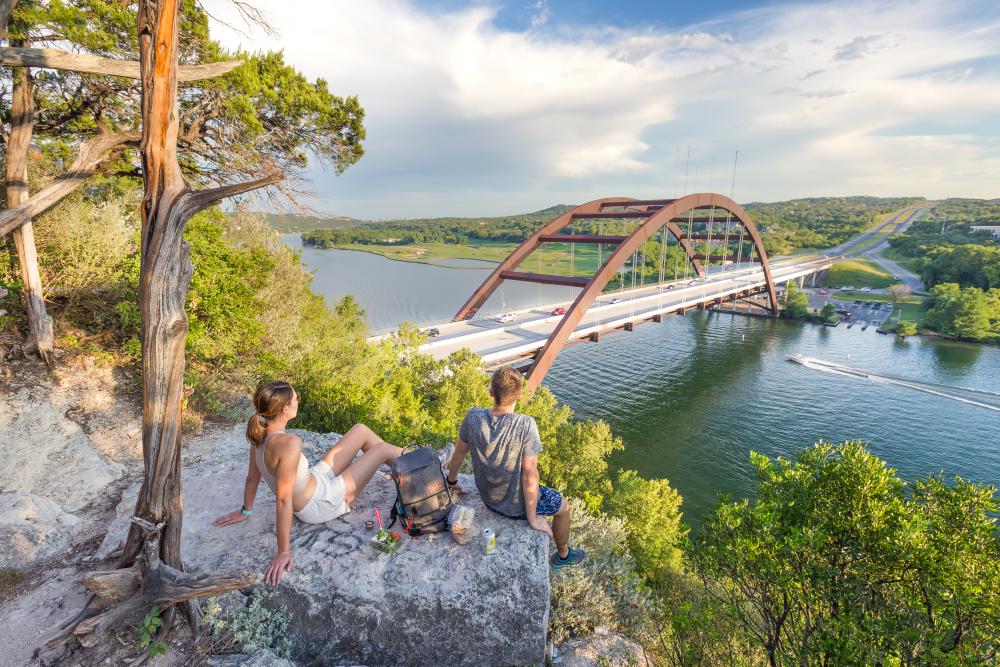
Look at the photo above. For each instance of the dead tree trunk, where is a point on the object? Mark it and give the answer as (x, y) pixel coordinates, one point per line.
(151, 560)
(40, 337)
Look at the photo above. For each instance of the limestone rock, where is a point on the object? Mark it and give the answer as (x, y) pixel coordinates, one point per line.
(600, 650)
(434, 602)
(259, 658)
(52, 471)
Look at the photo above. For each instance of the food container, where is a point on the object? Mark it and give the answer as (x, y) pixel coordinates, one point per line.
(461, 523)
(386, 541)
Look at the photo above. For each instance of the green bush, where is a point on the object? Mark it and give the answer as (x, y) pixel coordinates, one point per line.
(839, 561)
(243, 625)
(604, 590)
(650, 510)
(794, 302)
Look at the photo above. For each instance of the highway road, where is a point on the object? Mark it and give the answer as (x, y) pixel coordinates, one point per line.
(496, 341)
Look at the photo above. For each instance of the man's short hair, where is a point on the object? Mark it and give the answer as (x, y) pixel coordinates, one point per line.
(506, 385)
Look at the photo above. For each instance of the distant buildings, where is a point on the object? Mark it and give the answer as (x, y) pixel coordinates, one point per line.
(994, 230)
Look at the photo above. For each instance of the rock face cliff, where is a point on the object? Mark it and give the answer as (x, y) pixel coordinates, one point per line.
(68, 442)
(432, 603)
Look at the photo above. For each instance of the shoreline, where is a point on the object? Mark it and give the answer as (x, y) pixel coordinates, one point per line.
(411, 261)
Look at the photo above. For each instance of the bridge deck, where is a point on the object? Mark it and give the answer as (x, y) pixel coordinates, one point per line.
(497, 342)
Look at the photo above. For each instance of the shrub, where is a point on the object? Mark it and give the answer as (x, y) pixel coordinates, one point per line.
(650, 510)
(839, 561)
(239, 625)
(604, 590)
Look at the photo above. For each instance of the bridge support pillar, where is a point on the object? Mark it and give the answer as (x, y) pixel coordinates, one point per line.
(629, 326)
(594, 337)
(657, 318)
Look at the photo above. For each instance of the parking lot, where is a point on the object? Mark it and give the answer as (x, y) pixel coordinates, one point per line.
(863, 313)
(853, 312)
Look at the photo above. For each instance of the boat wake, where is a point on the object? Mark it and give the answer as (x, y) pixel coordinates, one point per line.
(977, 397)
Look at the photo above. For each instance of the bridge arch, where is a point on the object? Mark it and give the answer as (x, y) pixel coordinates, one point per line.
(653, 215)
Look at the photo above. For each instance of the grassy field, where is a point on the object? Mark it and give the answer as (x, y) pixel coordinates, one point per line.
(911, 264)
(858, 273)
(553, 258)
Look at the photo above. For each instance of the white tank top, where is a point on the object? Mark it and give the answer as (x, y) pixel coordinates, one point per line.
(301, 475)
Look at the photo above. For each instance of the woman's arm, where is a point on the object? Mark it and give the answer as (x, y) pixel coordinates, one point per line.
(253, 481)
(288, 450)
(249, 493)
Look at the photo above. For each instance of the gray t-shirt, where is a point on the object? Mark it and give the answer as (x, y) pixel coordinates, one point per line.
(498, 444)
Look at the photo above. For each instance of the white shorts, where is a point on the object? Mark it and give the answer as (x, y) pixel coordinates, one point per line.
(327, 501)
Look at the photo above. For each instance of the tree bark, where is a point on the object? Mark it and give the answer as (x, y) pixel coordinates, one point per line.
(165, 273)
(153, 545)
(13, 56)
(40, 336)
(6, 7)
(90, 156)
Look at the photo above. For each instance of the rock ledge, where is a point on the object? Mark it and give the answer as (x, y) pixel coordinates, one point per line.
(432, 603)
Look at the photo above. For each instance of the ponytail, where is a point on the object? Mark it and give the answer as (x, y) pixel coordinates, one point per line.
(268, 401)
(255, 430)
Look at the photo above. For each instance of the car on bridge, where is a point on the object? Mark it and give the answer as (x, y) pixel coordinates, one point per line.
(616, 299)
(559, 311)
(433, 331)
(506, 318)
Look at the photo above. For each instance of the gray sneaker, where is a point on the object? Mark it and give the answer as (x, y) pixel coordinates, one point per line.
(575, 556)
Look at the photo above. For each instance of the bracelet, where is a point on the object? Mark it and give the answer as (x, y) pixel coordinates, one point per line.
(244, 511)
(451, 483)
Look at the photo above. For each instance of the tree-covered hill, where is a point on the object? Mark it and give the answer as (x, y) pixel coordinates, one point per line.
(818, 222)
(287, 223)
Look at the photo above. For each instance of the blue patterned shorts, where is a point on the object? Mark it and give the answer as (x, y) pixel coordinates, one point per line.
(549, 501)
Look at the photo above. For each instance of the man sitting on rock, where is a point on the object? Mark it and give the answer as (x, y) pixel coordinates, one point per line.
(505, 447)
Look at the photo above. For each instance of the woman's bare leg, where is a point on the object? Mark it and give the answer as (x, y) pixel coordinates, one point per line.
(358, 438)
(361, 471)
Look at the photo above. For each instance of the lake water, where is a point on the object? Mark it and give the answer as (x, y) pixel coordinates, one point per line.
(691, 397)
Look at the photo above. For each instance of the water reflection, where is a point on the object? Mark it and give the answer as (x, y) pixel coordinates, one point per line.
(953, 359)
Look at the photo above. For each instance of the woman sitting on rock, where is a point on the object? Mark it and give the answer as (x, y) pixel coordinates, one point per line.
(314, 495)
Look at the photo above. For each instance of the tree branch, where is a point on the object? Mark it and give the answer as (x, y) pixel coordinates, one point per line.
(92, 154)
(201, 199)
(11, 56)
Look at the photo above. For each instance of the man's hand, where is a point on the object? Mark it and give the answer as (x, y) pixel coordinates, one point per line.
(276, 569)
(456, 488)
(540, 524)
(233, 517)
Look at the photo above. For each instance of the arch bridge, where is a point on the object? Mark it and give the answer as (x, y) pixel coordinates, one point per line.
(721, 248)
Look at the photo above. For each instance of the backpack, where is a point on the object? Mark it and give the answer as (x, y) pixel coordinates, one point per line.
(423, 500)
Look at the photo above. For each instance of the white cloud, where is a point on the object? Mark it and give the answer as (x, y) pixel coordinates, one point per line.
(466, 118)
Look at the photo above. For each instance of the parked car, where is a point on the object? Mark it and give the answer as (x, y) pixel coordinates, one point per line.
(433, 331)
(824, 291)
(865, 289)
(896, 278)
(559, 311)
(857, 302)
(506, 318)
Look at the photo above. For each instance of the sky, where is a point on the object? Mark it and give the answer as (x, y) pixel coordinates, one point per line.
(510, 106)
